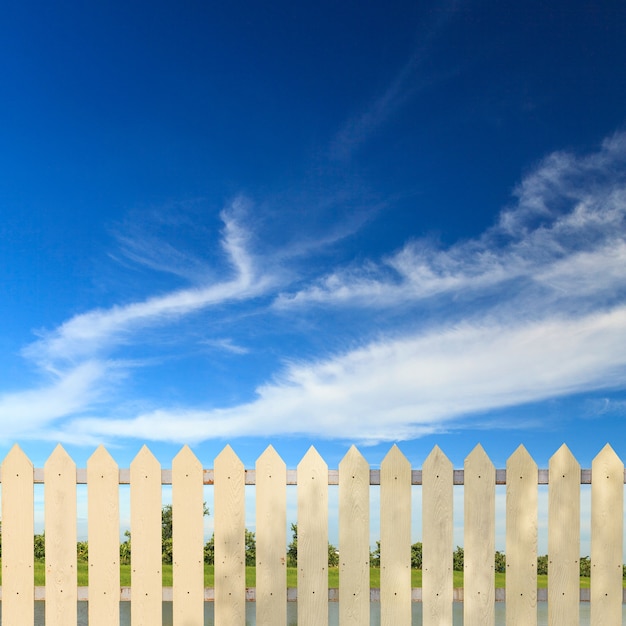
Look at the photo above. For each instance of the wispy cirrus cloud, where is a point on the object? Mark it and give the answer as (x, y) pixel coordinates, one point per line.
(565, 234)
(26, 414)
(555, 326)
(534, 308)
(89, 333)
(408, 82)
(409, 386)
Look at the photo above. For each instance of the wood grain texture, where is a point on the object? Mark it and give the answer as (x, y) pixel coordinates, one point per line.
(271, 539)
(395, 539)
(104, 539)
(607, 506)
(312, 540)
(188, 536)
(437, 543)
(521, 539)
(230, 547)
(354, 534)
(563, 539)
(60, 537)
(479, 539)
(146, 534)
(17, 539)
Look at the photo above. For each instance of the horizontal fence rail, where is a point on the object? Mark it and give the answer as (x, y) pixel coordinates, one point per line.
(312, 477)
(208, 476)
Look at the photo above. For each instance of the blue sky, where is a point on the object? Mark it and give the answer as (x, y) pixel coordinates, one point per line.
(324, 223)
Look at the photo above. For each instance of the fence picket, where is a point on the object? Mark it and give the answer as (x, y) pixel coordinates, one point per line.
(271, 539)
(230, 547)
(312, 540)
(395, 539)
(60, 538)
(563, 539)
(521, 539)
(354, 527)
(478, 564)
(145, 526)
(188, 535)
(104, 539)
(437, 475)
(607, 506)
(354, 478)
(17, 539)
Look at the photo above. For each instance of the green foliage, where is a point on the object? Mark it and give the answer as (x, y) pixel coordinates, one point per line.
(40, 547)
(500, 562)
(167, 551)
(333, 556)
(250, 540)
(209, 551)
(82, 551)
(457, 559)
(375, 556)
(585, 566)
(292, 548)
(542, 564)
(125, 549)
(166, 523)
(416, 555)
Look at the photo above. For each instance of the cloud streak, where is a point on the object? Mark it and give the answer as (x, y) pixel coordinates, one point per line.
(533, 309)
(410, 386)
(101, 329)
(565, 236)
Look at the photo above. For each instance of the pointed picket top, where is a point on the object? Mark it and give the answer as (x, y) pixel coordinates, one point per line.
(607, 461)
(477, 460)
(16, 460)
(563, 465)
(269, 460)
(59, 461)
(437, 460)
(186, 458)
(311, 460)
(521, 465)
(395, 461)
(145, 460)
(352, 459)
(227, 457)
(101, 460)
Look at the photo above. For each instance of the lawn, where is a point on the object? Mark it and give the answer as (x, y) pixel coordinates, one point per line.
(292, 577)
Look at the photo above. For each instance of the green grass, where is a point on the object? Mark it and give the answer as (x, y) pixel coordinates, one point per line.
(292, 577)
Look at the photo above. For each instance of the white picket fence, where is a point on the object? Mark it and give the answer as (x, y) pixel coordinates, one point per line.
(271, 477)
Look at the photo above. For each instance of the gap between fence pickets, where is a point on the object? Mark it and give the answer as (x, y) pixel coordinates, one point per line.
(292, 594)
(292, 478)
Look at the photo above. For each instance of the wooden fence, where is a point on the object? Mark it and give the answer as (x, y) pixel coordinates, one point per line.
(354, 477)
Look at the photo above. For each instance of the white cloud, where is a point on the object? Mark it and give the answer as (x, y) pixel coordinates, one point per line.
(23, 413)
(226, 345)
(546, 287)
(88, 333)
(565, 233)
(410, 386)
